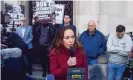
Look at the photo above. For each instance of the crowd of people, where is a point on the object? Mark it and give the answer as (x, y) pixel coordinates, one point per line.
(51, 44)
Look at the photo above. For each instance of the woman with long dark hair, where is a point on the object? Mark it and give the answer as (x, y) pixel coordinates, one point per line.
(60, 56)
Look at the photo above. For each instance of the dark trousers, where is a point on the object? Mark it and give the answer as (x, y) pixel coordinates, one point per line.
(44, 58)
(35, 52)
(29, 60)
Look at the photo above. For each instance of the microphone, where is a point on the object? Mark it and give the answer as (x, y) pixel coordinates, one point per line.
(73, 72)
(72, 50)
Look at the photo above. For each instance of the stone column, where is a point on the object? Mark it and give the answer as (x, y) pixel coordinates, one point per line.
(129, 14)
(83, 12)
(103, 17)
(111, 16)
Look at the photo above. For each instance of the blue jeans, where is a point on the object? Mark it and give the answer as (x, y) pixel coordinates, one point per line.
(115, 71)
(93, 61)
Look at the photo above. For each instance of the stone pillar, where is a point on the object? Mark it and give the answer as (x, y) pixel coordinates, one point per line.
(111, 16)
(103, 17)
(129, 14)
(75, 15)
(106, 15)
(83, 12)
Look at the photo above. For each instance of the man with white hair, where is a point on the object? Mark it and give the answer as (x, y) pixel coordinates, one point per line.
(93, 42)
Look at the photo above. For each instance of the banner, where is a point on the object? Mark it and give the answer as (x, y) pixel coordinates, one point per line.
(15, 11)
(44, 10)
(59, 13)
(47, 11)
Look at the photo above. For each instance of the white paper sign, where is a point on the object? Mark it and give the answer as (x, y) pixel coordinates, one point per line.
(59, 13)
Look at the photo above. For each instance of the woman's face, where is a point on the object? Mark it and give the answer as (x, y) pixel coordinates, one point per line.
(69, 38)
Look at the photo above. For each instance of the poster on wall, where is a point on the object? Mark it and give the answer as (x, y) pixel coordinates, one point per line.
(44, 10)
(59, 13)
(47, 11)
(15, 11)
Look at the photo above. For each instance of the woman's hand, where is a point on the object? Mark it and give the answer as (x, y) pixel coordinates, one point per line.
(71, 61)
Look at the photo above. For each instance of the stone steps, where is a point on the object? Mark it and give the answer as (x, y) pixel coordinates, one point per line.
(36, 72)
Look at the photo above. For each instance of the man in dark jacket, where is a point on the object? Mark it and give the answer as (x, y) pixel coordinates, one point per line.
(67, 20)
(93, 42)
(46, 34)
